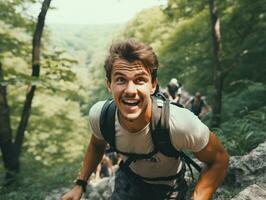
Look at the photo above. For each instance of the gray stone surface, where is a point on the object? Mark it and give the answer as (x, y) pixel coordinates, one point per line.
(248, 169)
(252, 192)
(245, 171)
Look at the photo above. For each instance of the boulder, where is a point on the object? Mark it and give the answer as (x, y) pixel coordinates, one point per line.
(252, 192)
(244, 174)
(248, 169)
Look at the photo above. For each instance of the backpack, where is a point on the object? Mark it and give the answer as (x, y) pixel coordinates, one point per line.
(160, 131)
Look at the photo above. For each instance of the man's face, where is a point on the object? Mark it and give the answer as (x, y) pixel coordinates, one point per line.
(131, 87)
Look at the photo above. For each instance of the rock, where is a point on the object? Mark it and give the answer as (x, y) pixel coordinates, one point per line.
(248, 169)
(100, 189)
(252, 192)
(57, 193)
(95, 195)
(244, 172)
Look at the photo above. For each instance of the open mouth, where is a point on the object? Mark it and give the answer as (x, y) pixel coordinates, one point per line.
(130, 102)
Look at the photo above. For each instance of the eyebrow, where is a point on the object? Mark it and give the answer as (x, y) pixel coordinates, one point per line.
(118, 74)
(138, 74)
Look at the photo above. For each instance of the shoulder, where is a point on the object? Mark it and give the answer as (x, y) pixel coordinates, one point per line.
(95, 110)
(181, 114)
(94, 118)
(182, 120)
(186, 130)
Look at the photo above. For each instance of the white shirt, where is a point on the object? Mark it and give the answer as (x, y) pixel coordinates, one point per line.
(186, 132)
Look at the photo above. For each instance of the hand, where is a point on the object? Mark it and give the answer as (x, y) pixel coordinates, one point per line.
(74, 194)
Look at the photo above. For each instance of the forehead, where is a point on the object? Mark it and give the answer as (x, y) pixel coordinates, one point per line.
(123, 66)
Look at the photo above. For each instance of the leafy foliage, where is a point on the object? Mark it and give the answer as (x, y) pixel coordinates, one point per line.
(246, 127)
(58, 121)
(182, 9)
(153, 31)
(14, 27)
(72, 79)
(36, 181)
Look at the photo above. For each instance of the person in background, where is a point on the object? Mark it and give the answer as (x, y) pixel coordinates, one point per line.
(173, 91)
(197, 105)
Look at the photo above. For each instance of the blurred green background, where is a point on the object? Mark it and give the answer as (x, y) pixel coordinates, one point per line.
(72, 79)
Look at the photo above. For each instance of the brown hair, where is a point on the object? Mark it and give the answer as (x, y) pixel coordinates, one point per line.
(131, 51)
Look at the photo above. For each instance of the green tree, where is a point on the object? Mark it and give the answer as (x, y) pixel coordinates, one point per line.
(11, 150)
(186, 52)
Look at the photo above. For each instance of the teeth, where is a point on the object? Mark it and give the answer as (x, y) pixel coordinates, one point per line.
(130, 101)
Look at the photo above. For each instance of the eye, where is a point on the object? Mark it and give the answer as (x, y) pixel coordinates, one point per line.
(140, 80)
(120, 80)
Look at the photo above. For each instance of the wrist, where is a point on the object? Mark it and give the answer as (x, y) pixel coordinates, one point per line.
(82, 184)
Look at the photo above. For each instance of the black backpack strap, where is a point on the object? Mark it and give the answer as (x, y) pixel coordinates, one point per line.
(134, 157)
(161, 133)
(179, 175)
(190, 162)
(177, 104)
(107, 122)
(160, 128)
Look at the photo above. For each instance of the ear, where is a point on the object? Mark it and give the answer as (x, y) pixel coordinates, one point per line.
(154, 85)
(108, 85)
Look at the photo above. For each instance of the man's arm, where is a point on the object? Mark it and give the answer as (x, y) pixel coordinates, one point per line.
(92, 158)
(216, 158)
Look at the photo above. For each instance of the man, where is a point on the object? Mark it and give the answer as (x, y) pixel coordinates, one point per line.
(174, 88)
(197, 105)
(173, 91)
(131, 72)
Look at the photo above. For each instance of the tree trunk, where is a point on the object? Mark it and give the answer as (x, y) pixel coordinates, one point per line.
(7, 147)
(36, 45)
(218, 76)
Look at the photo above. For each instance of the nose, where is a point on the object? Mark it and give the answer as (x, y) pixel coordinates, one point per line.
(131, 88)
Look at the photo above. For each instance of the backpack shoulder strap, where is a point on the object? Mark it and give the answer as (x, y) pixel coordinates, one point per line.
(107, 122)
(160, 128)
(190, 161)
(161, 133)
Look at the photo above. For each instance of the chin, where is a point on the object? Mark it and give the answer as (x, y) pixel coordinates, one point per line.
(131, 117)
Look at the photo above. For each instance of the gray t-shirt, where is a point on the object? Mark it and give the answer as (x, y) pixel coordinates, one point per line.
(186, 132)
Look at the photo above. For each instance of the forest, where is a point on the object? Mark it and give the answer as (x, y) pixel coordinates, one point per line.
(50, 76)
